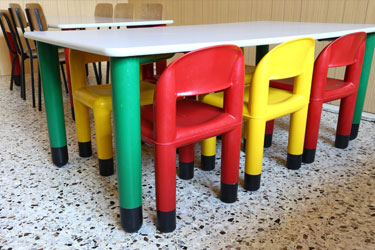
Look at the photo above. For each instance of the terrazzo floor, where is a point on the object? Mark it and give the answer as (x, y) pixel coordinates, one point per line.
(325, 205)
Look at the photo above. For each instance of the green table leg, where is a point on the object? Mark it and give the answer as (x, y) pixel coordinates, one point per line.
(50, 73)
(126, 116)
(366, 68)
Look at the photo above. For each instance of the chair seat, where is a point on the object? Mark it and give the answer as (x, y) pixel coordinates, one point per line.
(190, 115)
(335, 88)
(275, 96)
(94, 95)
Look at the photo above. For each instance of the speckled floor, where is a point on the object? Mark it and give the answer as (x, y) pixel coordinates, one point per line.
(329, 204)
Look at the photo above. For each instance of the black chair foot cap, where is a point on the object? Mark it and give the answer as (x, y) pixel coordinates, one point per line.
(294, 161)
(131, 219)
(267, 140)
(59, 156)
(208, 162)
(106, 167)
(166, 221)
(228, 193)
(252, 182)
(84, 149)
(17, 80)
(308, 155)
(342, 141)
(186, 170)
(354, 131)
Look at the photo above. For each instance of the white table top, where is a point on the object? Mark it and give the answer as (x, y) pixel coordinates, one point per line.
(160, 40)
(74, 22)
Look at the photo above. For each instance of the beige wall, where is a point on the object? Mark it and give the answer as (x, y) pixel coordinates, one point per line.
(185, 12)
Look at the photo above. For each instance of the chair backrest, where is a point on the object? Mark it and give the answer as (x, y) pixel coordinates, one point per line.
(216, 68)
(151, 11)
(124, 10)
(16, 10)
(294, 58)
(346, 51)
(8, 32)
(36, 17)
(104, 10)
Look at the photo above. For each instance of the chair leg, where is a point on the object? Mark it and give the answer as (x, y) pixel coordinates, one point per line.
(312, 131)
(12, 72)
(64, 77)
(165, 180)
(230, 163)
(297, 130)
(254, 153)
(96, 74)
(32, 80)
(103, 132)
(23, 81)
(107, 73)
(268, 135)
(39, 91)
(83, 129)
(186, 162)
(100, 72)
(208, 147)
(344, 125)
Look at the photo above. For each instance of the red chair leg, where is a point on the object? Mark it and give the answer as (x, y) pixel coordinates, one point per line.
(347, 106)
(269, 132)
(186, 162)
(165, 180)
(312, 131)
(230, 161)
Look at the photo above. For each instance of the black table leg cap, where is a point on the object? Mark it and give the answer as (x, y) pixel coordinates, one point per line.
(186, 170)
(228, 192)
(166, 221)
(106, 167)
(59, 156)
(208, 162)
(84, 149)
(131, 219)
(354, 131)
(342, 141)
(252, 182)
(308, 155)
(293, 161)
(267, 140)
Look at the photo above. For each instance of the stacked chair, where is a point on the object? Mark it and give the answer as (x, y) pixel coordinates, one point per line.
(19, 20)
(10, 39)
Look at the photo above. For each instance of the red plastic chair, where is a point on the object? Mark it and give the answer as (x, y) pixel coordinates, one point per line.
(345, 51)
(177, 122)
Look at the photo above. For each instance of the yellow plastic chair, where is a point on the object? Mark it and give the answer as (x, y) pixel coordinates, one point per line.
(99, 99)
(262, 103)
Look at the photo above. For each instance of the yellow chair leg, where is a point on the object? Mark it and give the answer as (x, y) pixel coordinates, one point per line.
(296, 138)
(83, 129)
(208, 153)
(103, 132)
(254, 153)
